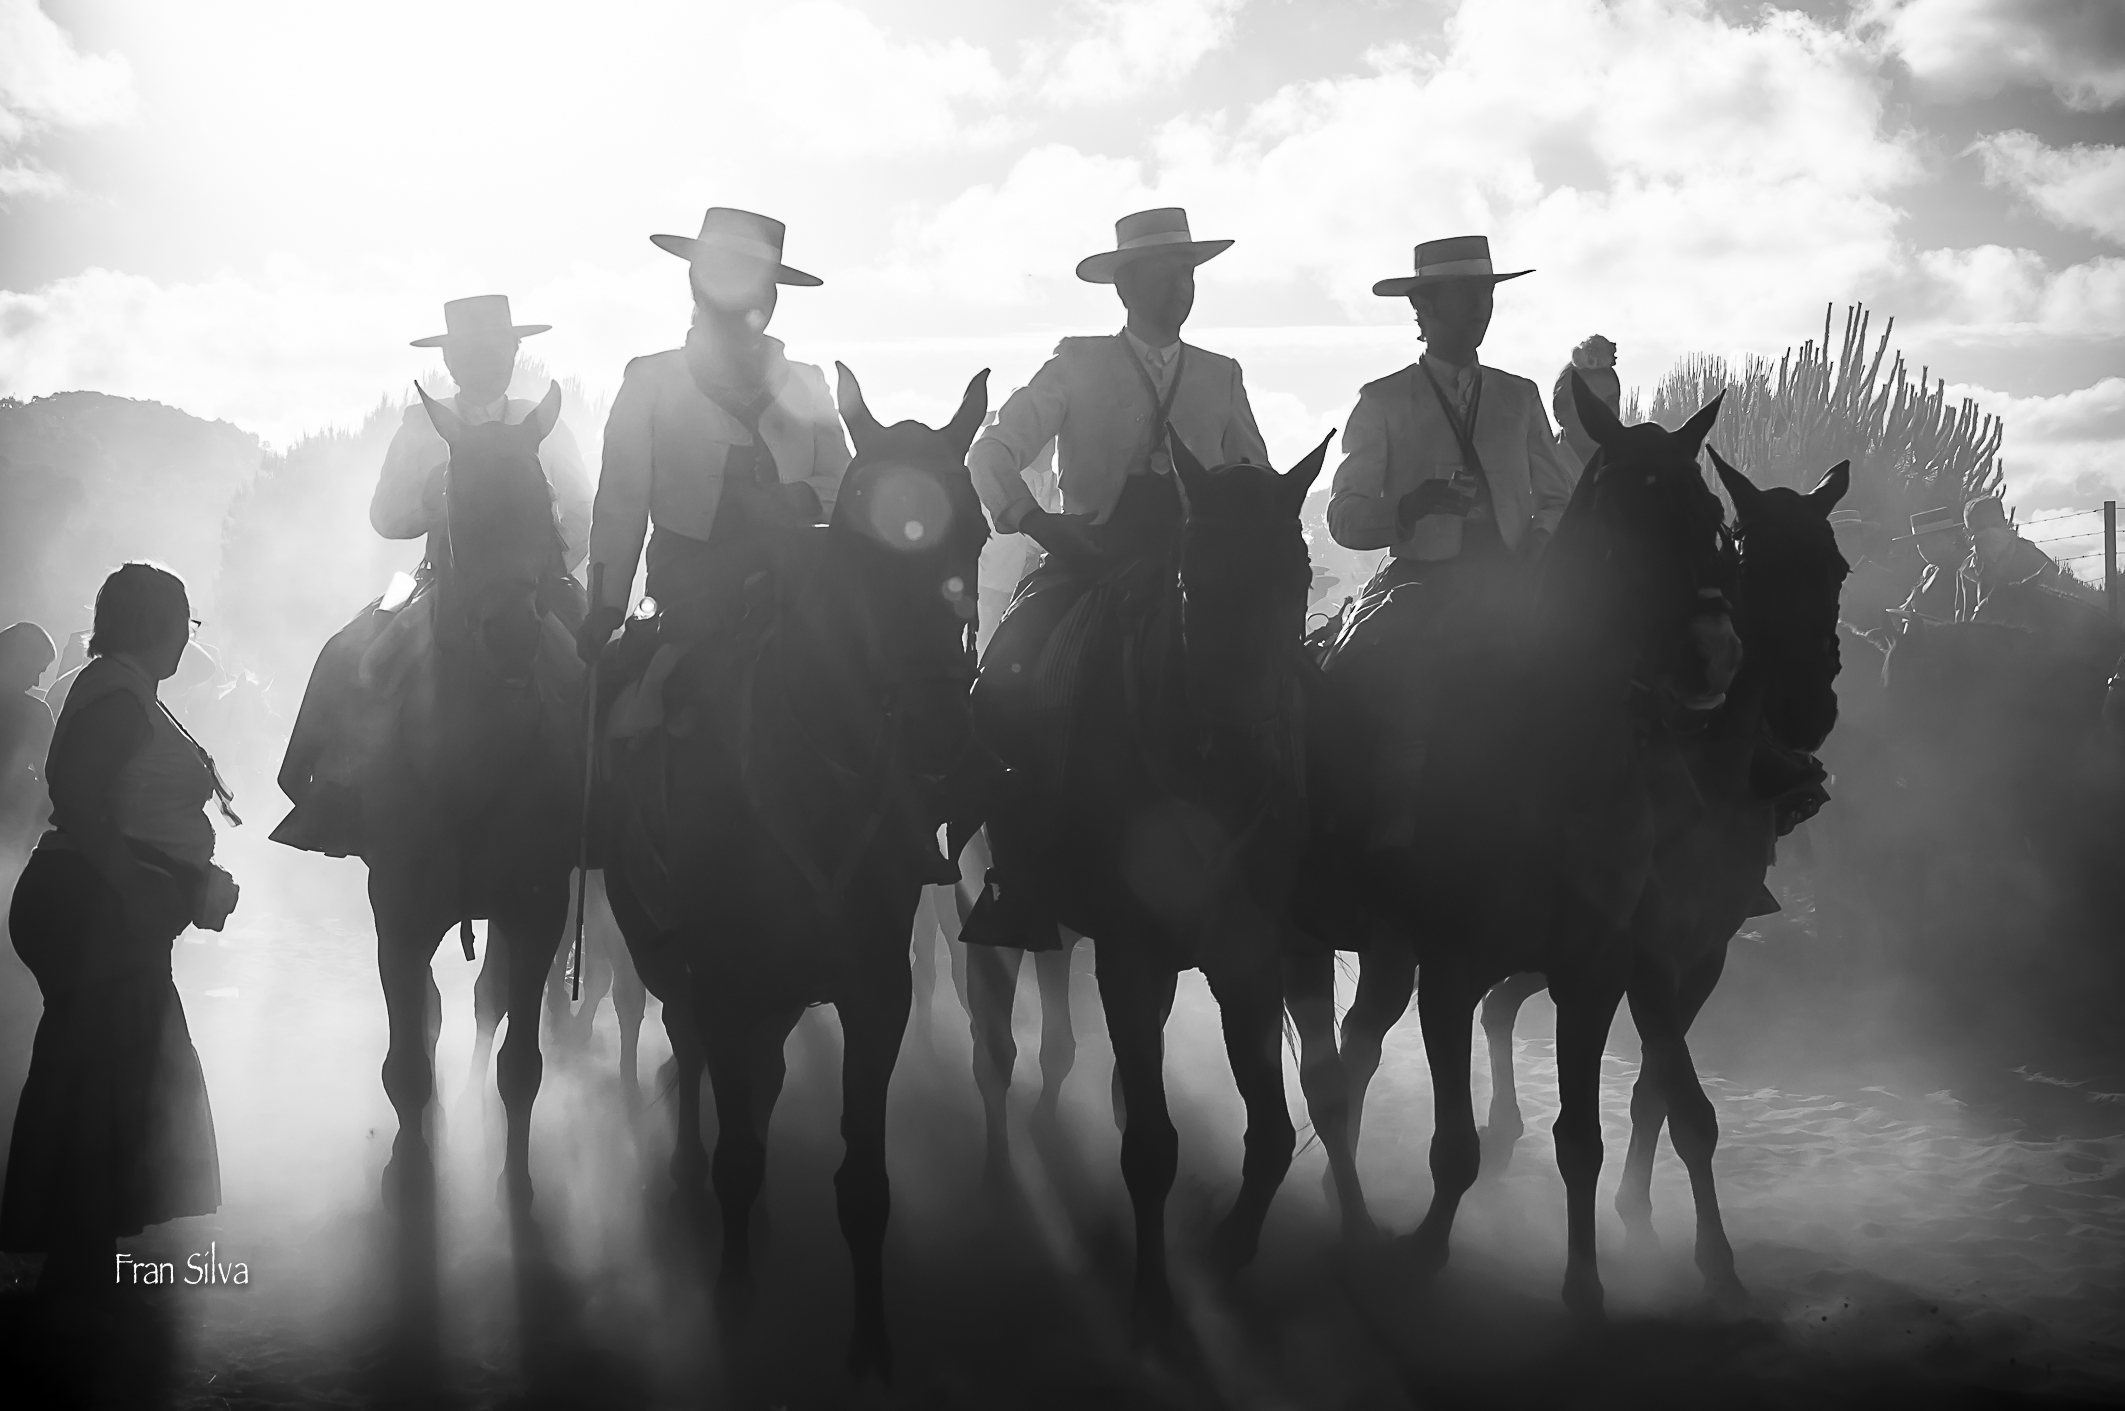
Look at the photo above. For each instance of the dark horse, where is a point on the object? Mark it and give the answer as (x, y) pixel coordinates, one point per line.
(1180, 815)
(468, 806)
(803, 783)
(1752, 765)
(1547, 782)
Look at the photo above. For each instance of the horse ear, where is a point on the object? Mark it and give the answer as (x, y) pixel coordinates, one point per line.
(546, 415)
(1194, 480)
(1740, 488)
(1594, 414)
(1831, 488)
(447, 423)
(1299, 479)
(965, 424)
(1700, 426)
(849, 397)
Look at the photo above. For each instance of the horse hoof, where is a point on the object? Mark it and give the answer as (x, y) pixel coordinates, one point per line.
(1152, 1319)
(1726, 1292)
(1497, 1148)
(512, 1192)
(734, 1298)
(1584, 1297)
(871, 1356)
(1359, 1228)
(1422, 1252)
(1234, 1244)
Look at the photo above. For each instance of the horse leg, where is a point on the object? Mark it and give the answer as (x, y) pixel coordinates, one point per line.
(402, 963)
(533, 936)
(1136, 994)
(735, 1041)
(1657, 1011)
(923, 945)
(489, 1000)
(992, 988)
(1500, 1008)
(1058, 1035)
(1387, 976)
(1446, 1004)
(872, 1026)
(629, 1002)
(1586, 1005)
(1649, 1111)
(689, 1155)
(1309, 993)
(1251, 1008)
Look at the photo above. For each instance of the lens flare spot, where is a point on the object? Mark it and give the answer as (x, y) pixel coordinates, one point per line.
(908, 509)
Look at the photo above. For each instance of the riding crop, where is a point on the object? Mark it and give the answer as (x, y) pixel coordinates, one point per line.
(590, 774)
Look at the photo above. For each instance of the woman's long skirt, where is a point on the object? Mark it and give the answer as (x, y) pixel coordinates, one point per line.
(113, 1133)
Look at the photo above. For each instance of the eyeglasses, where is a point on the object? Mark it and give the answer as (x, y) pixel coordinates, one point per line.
(196, 625)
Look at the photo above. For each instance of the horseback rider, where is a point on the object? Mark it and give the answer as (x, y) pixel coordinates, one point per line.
(1999, 557)
(1937, 598)
(1105, 401)
(1452, 468)
(479, 346)
(341, 722)
(1595, 362)
(707, 443)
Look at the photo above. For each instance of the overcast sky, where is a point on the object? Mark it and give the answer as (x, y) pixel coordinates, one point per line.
(247, 209)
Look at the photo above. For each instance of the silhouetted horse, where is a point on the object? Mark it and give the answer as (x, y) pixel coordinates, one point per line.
(608, 970)
(802, 783)
(1751, 759)
(1549, 776)
(468, 808)
(1180, 814)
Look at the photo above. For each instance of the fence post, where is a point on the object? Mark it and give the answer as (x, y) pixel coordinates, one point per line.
(2110, 558)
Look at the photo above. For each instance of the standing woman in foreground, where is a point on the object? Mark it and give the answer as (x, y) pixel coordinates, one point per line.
(114, 1133)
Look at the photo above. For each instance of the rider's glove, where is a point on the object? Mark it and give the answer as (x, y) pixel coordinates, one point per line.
(1069, 535)
(598, 626)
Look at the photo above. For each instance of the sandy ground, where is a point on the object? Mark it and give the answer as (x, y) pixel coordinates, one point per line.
(1910, 1236)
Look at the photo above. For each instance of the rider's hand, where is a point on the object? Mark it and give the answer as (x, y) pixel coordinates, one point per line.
(217, 898)
(801, 501)
(598, 626)
(1069, 535)
(1432, 497)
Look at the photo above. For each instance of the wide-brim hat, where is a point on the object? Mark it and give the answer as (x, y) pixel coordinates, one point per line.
(1945, 520)
(1455, 257)
(481, 316)
(1160, 232)
(730, 234)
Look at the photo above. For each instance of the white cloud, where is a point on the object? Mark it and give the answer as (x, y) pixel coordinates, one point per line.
(45, 82)
(1973, 48)
(1993, 293)
(2060, 452)
(2080, 187)
(1129, 46)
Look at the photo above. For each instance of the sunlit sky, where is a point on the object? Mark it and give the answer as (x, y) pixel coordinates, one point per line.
(247, 209)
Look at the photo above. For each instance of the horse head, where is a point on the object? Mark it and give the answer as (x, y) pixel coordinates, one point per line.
(1642, 564)
(907, 507)
(1791, 576)
(1244, 578)
(502, 540)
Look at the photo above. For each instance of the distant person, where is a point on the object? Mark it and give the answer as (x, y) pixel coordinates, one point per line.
(708, 443)
(1999, 556)
(1105, 400)
(480, 347)
(1595, 361)
(1938, 596)
(26, 652)
(1449, 465)
(114, 1132)
(479, 343)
